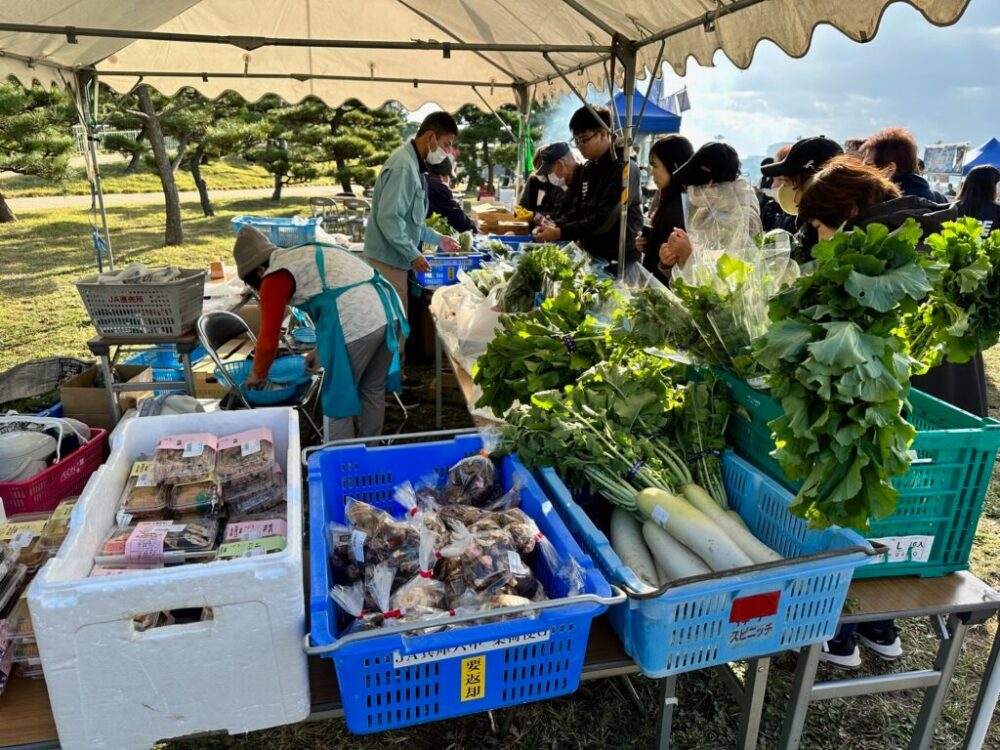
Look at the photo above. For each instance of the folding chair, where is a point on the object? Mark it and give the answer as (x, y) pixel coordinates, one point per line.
(324, 209)
(217, 328)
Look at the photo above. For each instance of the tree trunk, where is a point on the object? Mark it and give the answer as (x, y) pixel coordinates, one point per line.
(276, 195)
(174, 231)
(181, 151)
(194, 164)
(345, 176)
(136, 158)
(488, 160)
(6, 212)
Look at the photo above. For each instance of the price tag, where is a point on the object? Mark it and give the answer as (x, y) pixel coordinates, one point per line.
(123, 519)
(358, 545)
(21, 539)
(9, 529)
(249, 448)
(660, 516)
(145, 543)
(904, 549)
(193, 449)
(62, 511)
(249, 530)
(516, 564)
(251, 548)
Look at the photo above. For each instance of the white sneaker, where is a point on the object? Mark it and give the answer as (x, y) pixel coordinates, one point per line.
(889, 648)
(843, 655)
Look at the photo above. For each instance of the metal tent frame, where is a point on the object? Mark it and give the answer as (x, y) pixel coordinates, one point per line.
(619, 49)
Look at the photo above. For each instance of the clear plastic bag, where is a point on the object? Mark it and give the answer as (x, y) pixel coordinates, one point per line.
(422, 590)
(474, 480)
(247, 453)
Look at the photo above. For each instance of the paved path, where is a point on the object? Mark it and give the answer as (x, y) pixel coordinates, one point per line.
(133, 199)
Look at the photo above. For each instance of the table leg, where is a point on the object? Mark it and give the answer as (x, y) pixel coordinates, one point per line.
(188, 372)
(668, 699)
(109, 386)
(986, 701)
(945, 661)
(801, 694)
(752, 703)
(438, 419)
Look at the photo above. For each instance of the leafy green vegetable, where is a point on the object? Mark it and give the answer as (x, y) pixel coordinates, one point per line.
(439, 224)
(839, 362)
(701, 432)
(465, 242)
(541, 271)
(962, 314)
(546, 348)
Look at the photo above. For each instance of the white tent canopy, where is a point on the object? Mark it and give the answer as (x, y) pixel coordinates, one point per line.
(410, 51)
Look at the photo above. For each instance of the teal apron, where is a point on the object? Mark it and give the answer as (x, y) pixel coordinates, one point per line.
(340, 394)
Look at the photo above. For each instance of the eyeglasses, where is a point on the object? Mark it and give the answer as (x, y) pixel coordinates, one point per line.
(583, 140)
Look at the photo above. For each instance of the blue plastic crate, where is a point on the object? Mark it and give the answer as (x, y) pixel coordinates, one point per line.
(297, 230)
(165, 363)
(377, 695)
(738, 615)
(445, 268)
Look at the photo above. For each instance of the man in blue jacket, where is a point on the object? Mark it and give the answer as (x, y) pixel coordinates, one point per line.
(396, 230)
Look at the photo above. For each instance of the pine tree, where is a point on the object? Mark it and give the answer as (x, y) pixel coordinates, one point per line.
(35, 134)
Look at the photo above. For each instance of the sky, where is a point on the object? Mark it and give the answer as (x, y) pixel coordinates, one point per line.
(941, 83)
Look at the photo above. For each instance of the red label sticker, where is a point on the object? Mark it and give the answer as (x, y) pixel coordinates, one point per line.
(748, 608)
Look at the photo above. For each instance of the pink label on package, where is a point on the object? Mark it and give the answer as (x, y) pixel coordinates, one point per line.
(246, 531)
(258, 435)
(145, 543)
(193, 443)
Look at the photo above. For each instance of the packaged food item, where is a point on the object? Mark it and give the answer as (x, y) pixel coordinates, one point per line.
(27, 657)
(259, 497)
(473, 480)
(154, 542)
(19, 530)
(180, 459)
(57, 527)
(250, 452)
(195, 498)
(8, 559)
(19, 627)
(10, 587)
(142, 498)
(423, 590)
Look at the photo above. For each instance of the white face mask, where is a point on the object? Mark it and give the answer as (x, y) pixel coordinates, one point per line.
(437, 156)
(556, 181)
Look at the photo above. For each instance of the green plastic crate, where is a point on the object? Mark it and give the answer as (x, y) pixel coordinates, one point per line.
(940, 499)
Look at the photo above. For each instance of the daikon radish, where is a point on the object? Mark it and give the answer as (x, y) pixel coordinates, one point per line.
(664, 576)
(626, 540)
(693, 529)
(737, 518)
(676, 560)
(738, 532)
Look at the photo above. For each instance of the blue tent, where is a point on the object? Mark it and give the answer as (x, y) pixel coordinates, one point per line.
(654, 120)
(988, 153)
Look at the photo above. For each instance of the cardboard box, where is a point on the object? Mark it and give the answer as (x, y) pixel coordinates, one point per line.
(84, 400)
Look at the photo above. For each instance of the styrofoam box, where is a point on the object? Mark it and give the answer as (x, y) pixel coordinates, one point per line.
(113, 688)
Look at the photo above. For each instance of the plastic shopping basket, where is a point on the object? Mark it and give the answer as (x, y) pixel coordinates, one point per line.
(388, 679)
(143, 310)
(64, 478)
(709, 620)
(445, 268)
(940, 498)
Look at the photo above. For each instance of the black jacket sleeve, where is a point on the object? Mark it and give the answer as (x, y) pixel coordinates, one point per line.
(442, 201)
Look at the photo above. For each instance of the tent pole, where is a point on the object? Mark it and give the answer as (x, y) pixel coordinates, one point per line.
(649, 89)
(627, 56)
(89, 121)
(523, 108)
(572, 88)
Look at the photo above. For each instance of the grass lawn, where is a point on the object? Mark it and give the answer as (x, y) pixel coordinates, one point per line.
(41, 314)
(220, 175)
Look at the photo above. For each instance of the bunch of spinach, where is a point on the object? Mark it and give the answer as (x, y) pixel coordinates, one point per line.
(839, 363)
(546, 348)
(541, 272)
(701, 433)
(961, 316)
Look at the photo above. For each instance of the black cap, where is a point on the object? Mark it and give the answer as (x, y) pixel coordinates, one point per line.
(549, 155)
(713, 162)
(805, 156)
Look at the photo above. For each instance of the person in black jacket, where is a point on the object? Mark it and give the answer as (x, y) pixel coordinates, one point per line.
(791, 175)
(894, 150)
(977, 198)
(665, 157)
(440, 199)
(556, 174)
(596, 217)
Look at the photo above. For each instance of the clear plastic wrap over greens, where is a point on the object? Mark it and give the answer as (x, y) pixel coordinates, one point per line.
(732, 272)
